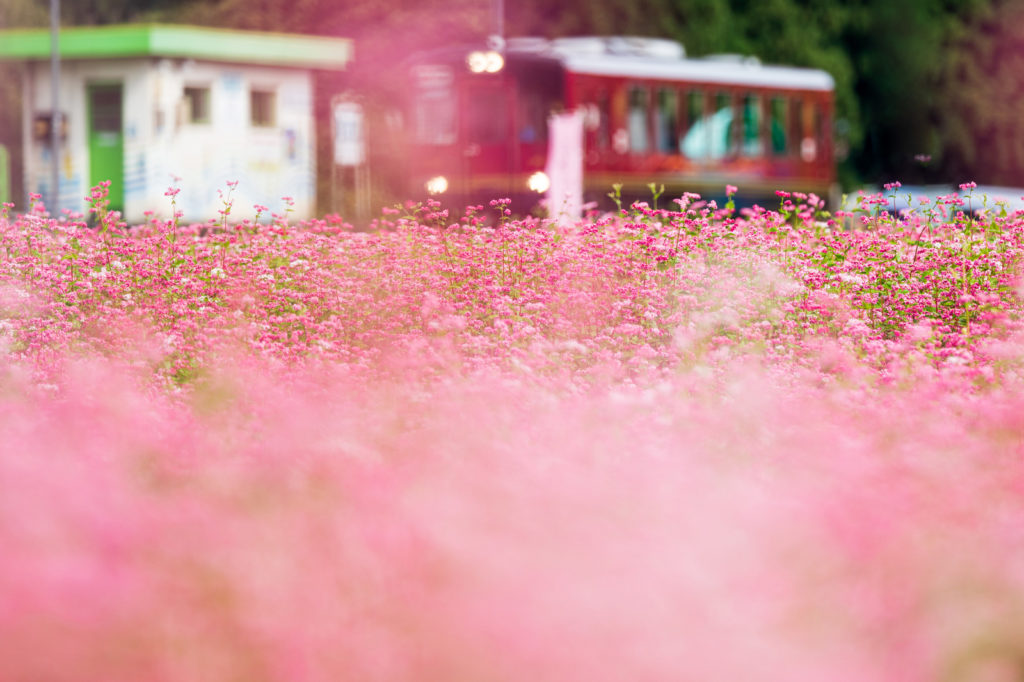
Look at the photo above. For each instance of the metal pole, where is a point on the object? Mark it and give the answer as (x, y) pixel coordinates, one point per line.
(55, 118)
(499, 19)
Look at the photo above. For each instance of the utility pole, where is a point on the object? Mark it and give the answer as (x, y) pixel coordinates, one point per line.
(55, 118)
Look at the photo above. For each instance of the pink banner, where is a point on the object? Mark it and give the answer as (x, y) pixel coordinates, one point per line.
(565, 166)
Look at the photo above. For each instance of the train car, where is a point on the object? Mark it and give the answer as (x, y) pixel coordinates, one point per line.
(479, 121)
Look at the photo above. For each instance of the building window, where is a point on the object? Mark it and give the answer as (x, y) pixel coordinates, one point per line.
(262, 108)
(197, 104)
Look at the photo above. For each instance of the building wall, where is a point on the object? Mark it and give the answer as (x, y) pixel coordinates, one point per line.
(161, 143)
(267, 162)
(74, 155)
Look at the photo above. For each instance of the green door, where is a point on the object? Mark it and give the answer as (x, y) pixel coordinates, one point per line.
(106, 141)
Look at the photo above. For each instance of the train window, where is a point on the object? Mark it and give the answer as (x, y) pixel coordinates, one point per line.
(487, 117)
(694, 143)
(604, 134)
(434, 117)
(537, 91)
(638, 137)
(811, 131)
(533, 116)
(667, 122)
(723, 132)
(777, 126)
(796, 124)
(821, 126)
(619, 108)
(751, 143)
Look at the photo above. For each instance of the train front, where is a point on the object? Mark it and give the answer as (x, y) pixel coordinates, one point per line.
(476, 133)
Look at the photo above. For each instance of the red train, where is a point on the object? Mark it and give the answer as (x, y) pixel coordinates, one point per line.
(478, 121)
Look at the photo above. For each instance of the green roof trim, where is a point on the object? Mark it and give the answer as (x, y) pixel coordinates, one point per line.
(188, 42)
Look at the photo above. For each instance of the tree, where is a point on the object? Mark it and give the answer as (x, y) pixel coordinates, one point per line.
(979, 118)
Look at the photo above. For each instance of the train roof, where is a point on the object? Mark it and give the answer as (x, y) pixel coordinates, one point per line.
(661, 59)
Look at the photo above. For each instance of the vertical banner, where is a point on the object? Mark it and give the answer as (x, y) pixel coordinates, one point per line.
(565, 166)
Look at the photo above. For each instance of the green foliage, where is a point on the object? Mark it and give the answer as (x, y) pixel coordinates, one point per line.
(980, 120)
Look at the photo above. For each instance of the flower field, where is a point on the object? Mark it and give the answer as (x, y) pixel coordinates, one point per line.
(682, 444)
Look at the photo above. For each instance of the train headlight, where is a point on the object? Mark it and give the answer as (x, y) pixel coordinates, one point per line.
(437, 184)
(495, 62)
(481, 62)
(539, 182)
(477, 62)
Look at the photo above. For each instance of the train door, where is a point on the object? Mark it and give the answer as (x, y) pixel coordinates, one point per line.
(487, 136)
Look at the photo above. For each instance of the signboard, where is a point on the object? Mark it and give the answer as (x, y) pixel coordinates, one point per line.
(349, 134)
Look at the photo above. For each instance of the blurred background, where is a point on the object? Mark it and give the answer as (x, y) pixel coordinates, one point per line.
(927, 91)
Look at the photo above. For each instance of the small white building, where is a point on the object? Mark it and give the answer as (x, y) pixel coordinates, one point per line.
(145, 104)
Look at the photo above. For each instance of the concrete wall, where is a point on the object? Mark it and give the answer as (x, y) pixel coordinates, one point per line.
(160, 143)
